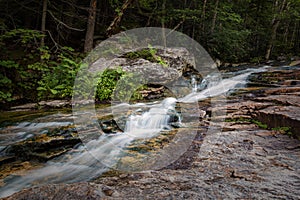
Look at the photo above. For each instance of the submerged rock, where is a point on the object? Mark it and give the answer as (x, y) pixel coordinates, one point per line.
(42, 147)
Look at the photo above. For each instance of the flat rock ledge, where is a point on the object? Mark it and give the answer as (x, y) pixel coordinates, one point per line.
(245, 164)
(242, 161)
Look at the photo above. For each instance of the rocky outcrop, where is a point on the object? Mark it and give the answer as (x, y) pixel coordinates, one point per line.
(241, 157)
(166, 59)
(158, 66)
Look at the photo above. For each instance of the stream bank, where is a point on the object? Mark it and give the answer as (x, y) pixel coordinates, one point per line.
(251, 158)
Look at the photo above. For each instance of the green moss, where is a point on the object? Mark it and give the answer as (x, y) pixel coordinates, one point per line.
(284, 130)
(281, 129)
(240, 119)
(259, 124)
(149, 53)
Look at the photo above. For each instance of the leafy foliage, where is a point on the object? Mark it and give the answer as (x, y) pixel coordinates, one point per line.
(107, 82)
(128, 88)
(32, 72)
(232, 31)
(58, 77)
(119, 85)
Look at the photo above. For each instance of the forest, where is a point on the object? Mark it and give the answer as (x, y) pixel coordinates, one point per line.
(43, 42)
(203, 103)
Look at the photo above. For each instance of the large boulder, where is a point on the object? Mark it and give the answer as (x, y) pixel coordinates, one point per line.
(158, 65)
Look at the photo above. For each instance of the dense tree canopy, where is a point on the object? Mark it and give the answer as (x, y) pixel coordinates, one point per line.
(43, 35)
(229, 29)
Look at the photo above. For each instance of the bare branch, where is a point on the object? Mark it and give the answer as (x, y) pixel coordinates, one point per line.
(62, 23)
(176, 27)
(55, 43)
(76, 6)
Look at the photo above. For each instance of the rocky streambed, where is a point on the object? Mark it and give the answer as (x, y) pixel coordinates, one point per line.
(253, 154)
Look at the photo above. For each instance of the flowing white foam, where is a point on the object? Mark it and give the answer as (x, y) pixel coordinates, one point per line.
(194, 84)
(84, 164)
(102, 153)
(215, 86)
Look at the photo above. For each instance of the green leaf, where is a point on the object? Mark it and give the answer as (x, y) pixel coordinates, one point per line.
(41, 88)
(59, 87)
(53, 91)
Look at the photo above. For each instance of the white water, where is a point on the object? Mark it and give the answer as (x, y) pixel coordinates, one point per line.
(82, 165)
(194, 84)
(102, 153)
(216, 86)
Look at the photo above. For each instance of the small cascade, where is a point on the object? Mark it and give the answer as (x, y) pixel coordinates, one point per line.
(209, 81)
(104, 152)
(194, 84)
(203, 84)
(156, 118)
(214, 86)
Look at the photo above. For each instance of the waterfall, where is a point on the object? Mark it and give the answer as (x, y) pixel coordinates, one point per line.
(82, 165)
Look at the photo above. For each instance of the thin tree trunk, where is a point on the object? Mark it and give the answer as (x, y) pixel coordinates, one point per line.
(43, 25)
(286, 33)
(203, 15)
(117, 19)
(213, 24)
(275, 25)
(89, 36)
(273, 37)
(70, 19)
(293, 37)
(163, 24)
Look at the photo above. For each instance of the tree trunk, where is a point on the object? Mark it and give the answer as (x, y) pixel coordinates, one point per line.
(163, 24)
(213, 24)
(203, 16)
(70, 18)
(117, 19)
(89, 36)
(43, 25)
(275, 25)
(293, 37)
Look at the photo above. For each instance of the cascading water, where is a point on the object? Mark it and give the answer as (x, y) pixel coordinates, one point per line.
(194, 84)
(102, 153)
(82, 165)
(215, 86)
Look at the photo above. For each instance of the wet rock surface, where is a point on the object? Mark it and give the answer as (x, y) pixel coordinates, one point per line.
(64, 192)
(42, 150)
(242, 154)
